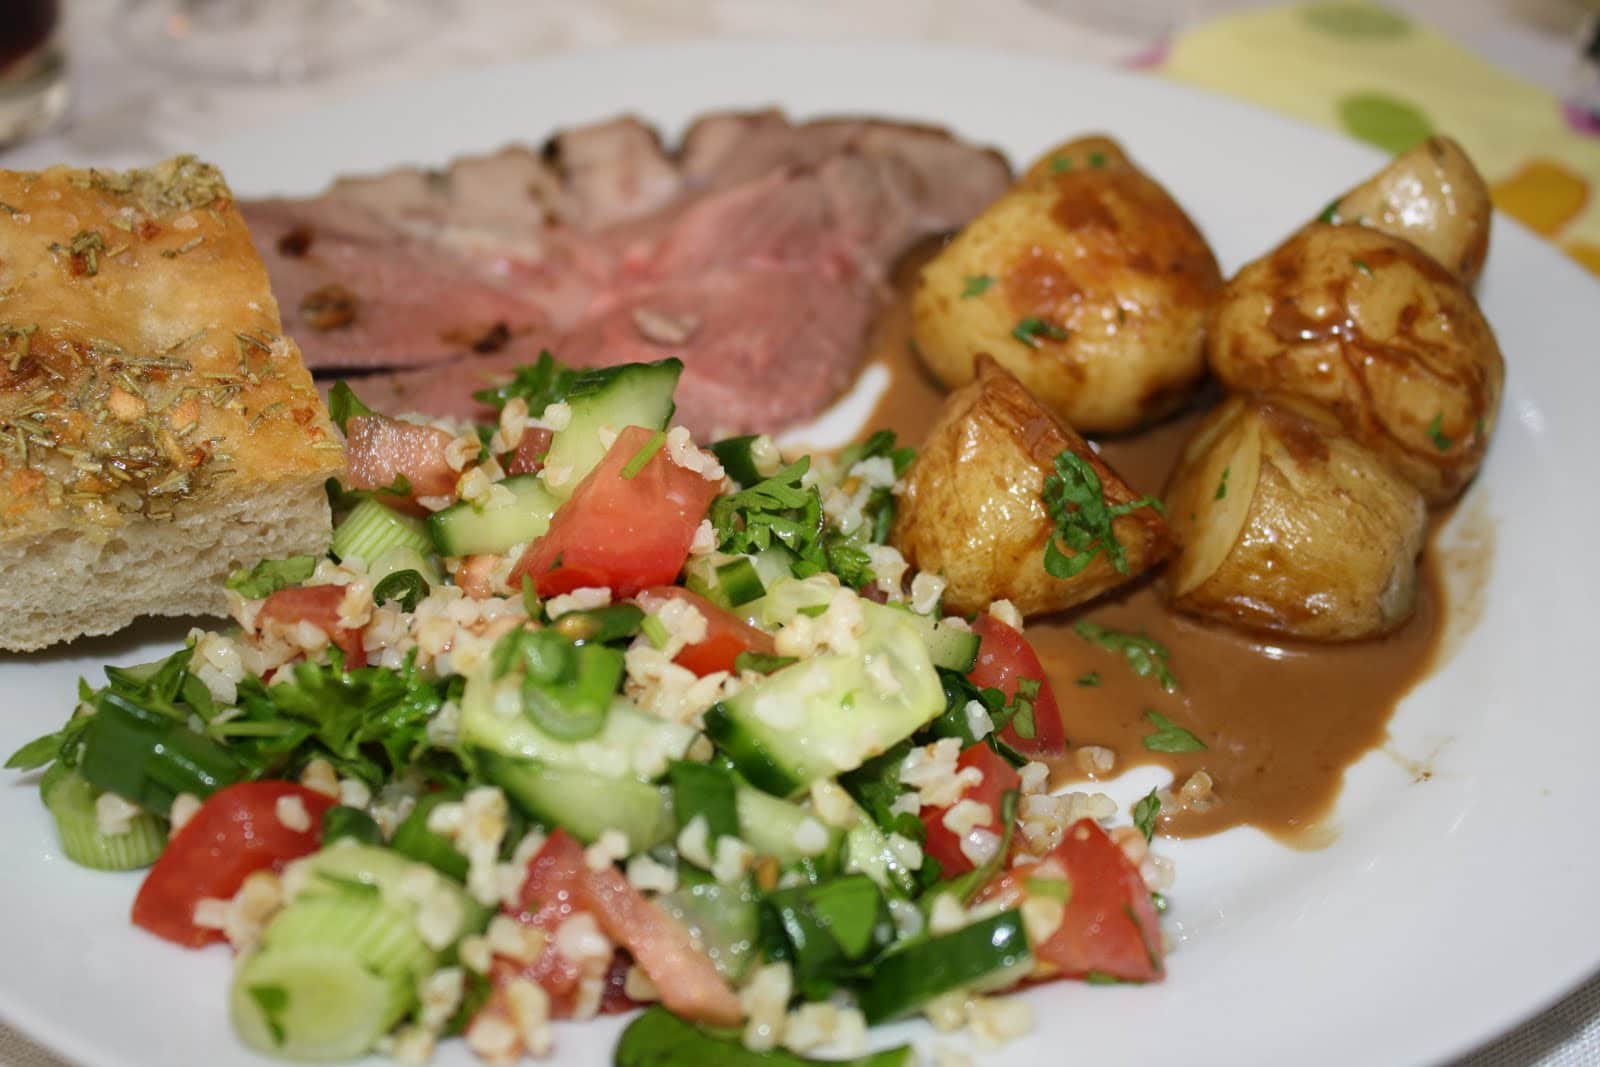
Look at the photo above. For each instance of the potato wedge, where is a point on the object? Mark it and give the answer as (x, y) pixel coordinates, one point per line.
(1089, 284)
(1080, 153)
(1431, 196)
(1286, 525)
(973, 509)
(1370, 327)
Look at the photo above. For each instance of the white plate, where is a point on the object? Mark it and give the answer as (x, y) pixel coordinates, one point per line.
(1446, 911)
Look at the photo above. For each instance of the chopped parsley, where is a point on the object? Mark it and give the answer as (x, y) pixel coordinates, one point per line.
(1222, 484)
(1090, 680)
(1329, 214)
(1145, 812)
(1436, 434)
(976, 285)
(540, 384)
(1030, 329)
(1361, 265)
(1076, 501)
(1097, 159)
(271, 575)
(1146, 655)
(1169, 736)
(760, 662)
(1060, 164)
(343, 405)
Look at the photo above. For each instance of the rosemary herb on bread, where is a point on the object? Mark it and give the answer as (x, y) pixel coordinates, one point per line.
(157, 428)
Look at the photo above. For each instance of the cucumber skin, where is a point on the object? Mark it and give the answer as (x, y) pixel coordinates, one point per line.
(463, 529)
(635, 394)
(989, 954)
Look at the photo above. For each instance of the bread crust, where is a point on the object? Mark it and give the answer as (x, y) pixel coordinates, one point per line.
(144, 372)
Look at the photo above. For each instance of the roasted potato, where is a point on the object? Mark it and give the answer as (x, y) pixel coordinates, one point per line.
(1373, 329)
(1089, 284)
(1286, 525)
(1080, 153)
(973, 506)
(1431, 196)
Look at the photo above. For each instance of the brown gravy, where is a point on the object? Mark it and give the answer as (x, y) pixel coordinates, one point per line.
(1281, 719)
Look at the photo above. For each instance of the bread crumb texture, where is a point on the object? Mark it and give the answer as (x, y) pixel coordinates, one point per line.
(147, 395)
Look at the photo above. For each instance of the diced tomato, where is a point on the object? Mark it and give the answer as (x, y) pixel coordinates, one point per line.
(474, 576)
(690, 985)
(727, 635)
(625, 534)
(379, 449)
(235, 833)
(318, 605)
(528, 457)
(998, 776)
(1111, 926)
(1005, 658)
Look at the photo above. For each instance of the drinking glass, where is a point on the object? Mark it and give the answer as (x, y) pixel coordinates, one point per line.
(33, 83)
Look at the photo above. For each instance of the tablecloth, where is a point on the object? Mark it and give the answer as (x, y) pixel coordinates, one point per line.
(1493, 72)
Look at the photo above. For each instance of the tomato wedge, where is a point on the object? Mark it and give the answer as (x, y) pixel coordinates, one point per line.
(1005, 658)
(235, 833)
(1111, 926)
(559, 882)
(379, 449)
(727, 635)
(998, 777)
(625, 534)
(318, 605)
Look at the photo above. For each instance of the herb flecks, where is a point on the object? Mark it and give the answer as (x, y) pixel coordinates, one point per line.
(1169, 736)
(1031, 329)
(1076, 501)
(976, 285)
(1222, 484)
(1361, 265)
(1145, 812)
(83, 252)
(1436, 434)
(1145, 655)
(1329, 214)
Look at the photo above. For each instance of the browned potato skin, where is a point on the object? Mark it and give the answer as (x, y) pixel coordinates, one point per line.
(1080, 153)
(971, 508)
(1308, 534)
(1433, 197)
(1371, 328)
(1101, 252)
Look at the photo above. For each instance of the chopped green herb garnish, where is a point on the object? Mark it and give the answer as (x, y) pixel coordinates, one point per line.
(1361, 265)
(976, 285)
(1060, 164)
(1030, 329)
(646, 453)
(760, 662)
(539, 384)
(1101, 978)
(271, 575)
(1222, 484)
(1146, 655)
(1329, 214)
(1145, 812)
(1097, 159)
(530, 597)
(1051, 888)
(1089, 680)
(407, 586)
(1436, 434)
(1169, 736)
(1160, 902)
(1076, 501)
(343, 405)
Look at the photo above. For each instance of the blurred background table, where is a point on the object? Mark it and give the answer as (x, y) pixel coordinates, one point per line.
(127, 111)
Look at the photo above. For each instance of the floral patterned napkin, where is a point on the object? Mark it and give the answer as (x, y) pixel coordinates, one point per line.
(1376, 75)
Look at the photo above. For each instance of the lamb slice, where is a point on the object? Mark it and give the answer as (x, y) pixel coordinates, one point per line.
(614, 172)
(354, 295)
(760, 348)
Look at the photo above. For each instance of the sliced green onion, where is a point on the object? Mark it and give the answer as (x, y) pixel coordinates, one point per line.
(372, 528)
(964, 887)
(656, 630)
(149, 758)
(613, 622)
(646, 453)
(406, 587)
(72, 801)
(574, 707)
(761, 663)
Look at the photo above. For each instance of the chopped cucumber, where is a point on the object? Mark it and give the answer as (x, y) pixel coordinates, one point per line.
(634, 394)
(584, 804)
(72, 803)
(464, 529)
(372, 528)
(831, 713)
(777, 828)
(989, 954)
(867, 851)
(738, 458)
(722, 919)
(313, 1003)
(950, 645)
(631, 743)
(392, 875)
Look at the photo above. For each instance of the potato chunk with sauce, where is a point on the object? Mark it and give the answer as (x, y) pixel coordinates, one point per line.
(1431, 196)
(1286, 525)
(1087, 281)
(1370, 327)
(973, 508)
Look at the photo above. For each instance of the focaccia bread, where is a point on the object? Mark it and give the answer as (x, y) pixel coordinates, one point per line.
(157, 429)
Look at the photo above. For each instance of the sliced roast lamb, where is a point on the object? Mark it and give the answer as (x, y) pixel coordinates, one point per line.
(756, 254)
